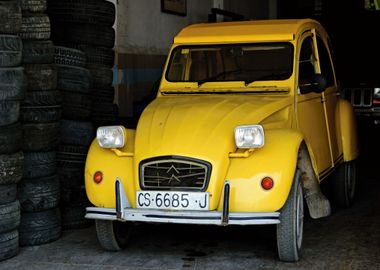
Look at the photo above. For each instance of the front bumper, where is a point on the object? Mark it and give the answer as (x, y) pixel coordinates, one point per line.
(124, 212)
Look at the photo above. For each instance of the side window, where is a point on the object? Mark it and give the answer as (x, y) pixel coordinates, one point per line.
(306, 61)
(325, 62)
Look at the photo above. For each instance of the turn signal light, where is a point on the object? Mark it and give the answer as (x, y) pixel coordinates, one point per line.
(98, 177)
(267, 183)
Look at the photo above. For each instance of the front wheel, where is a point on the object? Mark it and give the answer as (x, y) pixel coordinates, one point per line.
(112, 235)
(290, 229)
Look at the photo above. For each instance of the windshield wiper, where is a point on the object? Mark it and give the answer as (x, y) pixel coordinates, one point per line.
(271, 76)
(224, 73)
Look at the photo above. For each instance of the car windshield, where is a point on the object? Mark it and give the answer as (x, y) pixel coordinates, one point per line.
(237, 62)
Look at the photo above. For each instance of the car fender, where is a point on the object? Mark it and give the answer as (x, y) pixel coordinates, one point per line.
(276, 159)
(112, 165)
(347, 130)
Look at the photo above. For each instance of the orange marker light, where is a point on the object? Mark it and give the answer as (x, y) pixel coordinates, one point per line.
(98, 177)
(267, 183)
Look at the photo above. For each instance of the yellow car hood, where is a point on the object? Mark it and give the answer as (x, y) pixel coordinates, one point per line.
(200, 126)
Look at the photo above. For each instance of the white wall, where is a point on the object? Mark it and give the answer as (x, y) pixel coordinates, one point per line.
(143, 29)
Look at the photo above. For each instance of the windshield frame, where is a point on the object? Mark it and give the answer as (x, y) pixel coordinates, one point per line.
(246, 83)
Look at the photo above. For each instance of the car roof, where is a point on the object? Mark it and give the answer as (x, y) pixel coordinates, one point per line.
(244, 31)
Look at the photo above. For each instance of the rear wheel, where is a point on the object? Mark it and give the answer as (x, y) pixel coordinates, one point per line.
(290, 229)
(112, 235)
(344, 184)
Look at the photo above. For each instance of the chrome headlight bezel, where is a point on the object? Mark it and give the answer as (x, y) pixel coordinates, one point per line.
(111, 136)
(249, 136)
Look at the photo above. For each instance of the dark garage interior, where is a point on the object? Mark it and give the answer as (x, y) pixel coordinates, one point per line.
(68, 67)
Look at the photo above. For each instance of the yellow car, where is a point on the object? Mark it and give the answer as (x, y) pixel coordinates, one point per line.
(247, 122)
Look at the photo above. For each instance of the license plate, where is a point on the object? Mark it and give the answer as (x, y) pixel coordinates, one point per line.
(172, 200)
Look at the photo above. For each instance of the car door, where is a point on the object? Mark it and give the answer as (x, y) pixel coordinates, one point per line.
(310, 110)
(330, 97)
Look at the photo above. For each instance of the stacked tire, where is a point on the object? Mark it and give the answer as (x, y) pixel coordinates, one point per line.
(12, 88)
(87, 25)
(77, 133)
(39, 190)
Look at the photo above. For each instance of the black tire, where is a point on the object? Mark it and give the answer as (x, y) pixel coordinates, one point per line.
(88, 34)
(12, 83)
(9, 245)
(8, 193)
(344, 184)
(9, 216)
(35, 27)
(40, 137)
(77, 133)
(290, 229)
(82, 11)
(10, 17)
(71, 195)
(74, 79)
(104, 114)
(101, 76)
(10, 138)
(76, 106)
(38, 228)
(73, 218)
(39, 164)
(38, 52)
(41, 107)
(11, 167)
(103, 120)
(112, 235)
(69, 56)
(39, 194)
(9, 112)
(43, 114)
(104, 108)
(106, 95)
(95, 55)
(34, 6)
(72, 156)
(41, 77)
(42, 98)
(10, 50)
(72, 186)
(98, 55)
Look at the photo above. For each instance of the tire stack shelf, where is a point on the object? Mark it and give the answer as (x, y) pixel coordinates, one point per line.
(87, 25)
(77, 133)
(12, 89)
(39, 191)
(81, 26)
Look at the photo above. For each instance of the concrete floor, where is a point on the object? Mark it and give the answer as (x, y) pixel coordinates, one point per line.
(348, 239)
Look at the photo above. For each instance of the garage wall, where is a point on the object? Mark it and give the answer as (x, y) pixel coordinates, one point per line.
(144, 37)
(258, 9)
(143, 28)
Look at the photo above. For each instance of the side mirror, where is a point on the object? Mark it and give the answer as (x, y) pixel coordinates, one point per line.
(317, 84)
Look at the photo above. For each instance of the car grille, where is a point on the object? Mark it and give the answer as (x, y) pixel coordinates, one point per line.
(174, 173)
(359, 97)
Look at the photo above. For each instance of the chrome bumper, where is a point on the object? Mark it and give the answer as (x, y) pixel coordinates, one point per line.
(124, 212)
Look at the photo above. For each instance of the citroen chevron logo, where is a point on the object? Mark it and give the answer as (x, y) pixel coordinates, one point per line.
(173, 177)
(173, 171)
(172, 168)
